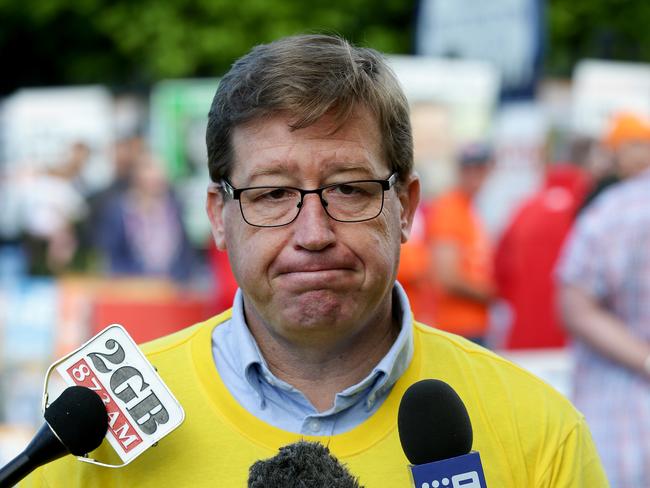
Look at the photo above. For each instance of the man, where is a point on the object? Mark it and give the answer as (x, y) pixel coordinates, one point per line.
(604, 295)
(461, 252)
(140, 230)
(620, 155)
(313, 191)
(529, 247)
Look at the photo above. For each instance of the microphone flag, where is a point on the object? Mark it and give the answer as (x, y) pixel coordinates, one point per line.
(141, 409)
(463, 471)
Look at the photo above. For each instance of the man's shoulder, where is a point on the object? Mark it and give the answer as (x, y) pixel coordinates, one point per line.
(623, 207)
(619, 196)
(494, 378)
(185, 336)
(526, 430)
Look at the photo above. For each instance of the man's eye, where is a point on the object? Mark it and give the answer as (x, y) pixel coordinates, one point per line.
(347, 189)
(352, 190)
(277, 194)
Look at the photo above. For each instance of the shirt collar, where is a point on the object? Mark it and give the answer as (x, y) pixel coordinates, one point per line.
(253, 367)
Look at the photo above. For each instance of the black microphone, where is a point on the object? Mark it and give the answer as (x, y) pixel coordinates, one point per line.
(301, 465)
(433, 423)
(76, 423)
(436, 435)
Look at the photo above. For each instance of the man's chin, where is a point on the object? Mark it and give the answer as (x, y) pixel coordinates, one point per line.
(316, 308)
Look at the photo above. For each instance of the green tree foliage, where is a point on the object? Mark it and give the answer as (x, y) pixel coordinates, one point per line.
(127, 42)
(133, 43)
(606, 29)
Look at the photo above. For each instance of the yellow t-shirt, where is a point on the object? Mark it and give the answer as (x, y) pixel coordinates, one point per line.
(528, 435)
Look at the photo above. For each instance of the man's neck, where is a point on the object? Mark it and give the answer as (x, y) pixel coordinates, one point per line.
(322, 369)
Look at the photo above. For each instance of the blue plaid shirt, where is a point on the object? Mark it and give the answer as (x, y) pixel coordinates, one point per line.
(608, 256)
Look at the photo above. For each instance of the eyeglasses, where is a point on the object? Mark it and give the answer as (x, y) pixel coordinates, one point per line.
(275, 206)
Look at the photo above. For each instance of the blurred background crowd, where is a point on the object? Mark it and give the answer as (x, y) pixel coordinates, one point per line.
(525, 113)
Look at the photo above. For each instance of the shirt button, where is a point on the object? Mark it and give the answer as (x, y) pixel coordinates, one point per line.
(370, 401)
(314, 425)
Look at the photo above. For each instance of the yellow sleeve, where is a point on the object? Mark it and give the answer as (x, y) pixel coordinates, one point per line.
(576, 463)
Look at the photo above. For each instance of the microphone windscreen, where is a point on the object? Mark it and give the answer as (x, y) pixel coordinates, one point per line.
(433, 423)
(78, 417)
(301, 465)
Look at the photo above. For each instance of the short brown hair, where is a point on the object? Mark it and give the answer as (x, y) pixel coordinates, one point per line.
(309, 76)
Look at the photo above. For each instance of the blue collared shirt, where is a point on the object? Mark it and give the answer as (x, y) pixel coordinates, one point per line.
(246, 374)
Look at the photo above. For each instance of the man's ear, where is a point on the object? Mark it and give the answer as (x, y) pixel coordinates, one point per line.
(409, 197)
(214, 206)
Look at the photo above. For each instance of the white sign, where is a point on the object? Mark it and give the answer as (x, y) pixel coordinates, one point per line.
(504, 32)
(601, 89)
(141, 409)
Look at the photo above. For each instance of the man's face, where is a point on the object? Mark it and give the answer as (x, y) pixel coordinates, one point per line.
(315, 277)
(472, 178)
(633, 157)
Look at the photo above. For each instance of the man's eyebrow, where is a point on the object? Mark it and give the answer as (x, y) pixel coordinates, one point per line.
(288, 169)
(345, 168)
(274, 169)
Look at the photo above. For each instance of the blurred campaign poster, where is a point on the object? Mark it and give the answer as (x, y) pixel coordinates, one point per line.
(28, 314)
(601, 89)
(510, 34)
(452, 102)
(178, 119)
(39, 124)
(38, 128)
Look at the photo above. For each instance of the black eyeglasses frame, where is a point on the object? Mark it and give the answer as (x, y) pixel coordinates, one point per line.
(235, 194)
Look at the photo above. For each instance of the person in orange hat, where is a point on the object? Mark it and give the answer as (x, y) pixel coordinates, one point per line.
(604, 292)
(627, 140)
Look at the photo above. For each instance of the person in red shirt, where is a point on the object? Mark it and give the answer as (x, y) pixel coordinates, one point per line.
(527, 253)
(461, 252)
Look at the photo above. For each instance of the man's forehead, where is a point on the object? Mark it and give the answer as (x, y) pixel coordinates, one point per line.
(270, 146)
(322, 169)
(327, 126)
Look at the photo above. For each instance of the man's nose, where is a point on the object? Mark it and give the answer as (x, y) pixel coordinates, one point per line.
(313, 227)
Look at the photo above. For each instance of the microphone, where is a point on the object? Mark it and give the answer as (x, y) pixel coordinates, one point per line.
(75, 423)
(436, 435)
(301, 465)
